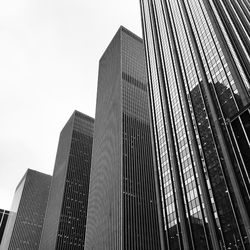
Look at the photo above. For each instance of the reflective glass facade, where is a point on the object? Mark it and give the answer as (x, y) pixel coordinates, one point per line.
(122, 211)
(197, 55)
(65, 220)
(4, 214)
(24, 226)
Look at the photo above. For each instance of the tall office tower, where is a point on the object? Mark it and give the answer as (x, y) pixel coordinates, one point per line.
(122, 211)
(4, 214)
(198, 59)
(24, 226)
(65, 220)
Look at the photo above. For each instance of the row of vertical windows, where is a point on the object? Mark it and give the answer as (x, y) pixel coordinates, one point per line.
(134, 81)
(139, 201)
(140, 211)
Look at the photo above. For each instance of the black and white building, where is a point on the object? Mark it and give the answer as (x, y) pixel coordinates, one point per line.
(198, 64)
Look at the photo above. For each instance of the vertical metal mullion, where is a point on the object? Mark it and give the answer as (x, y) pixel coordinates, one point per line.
(180, 201)
(233, 27)
(244, 131)
(150, 196)
(230, 86)
(194, 144)
(241, 159)
(133, 185)
(141, 186)
(238, 25)
(144, 173)
(205, 111)
(159, 155)
(125, 187)
(232, 34)
(136, 181)
(126, 195)
(159, 152)
(1, 221)
(219, 131)
(210, 73)
(149, 180)
(172, 179)
(229, 50)
(223, 171)
(182, 115)
(242, 15)
(154, 131)
(197, 156)
(245, 6)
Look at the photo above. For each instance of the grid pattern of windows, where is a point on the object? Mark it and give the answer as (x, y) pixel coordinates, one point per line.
(133, 81)
(26, 218)
(140, 227)
(4, 214)
(68, 200)
(198, 79)
(73, 216)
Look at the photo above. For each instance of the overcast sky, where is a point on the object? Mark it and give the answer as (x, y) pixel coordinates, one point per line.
(49, 53)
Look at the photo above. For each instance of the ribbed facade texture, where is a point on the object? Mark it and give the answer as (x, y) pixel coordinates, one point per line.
(65, 220)
(240, 131)
(24, 226)
(4, 214)
(198, 55)
(122, 210)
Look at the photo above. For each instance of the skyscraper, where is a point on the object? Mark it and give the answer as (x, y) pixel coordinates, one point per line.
(4, 214)
(65, 220)
(197, 55)
(122, 211)
(24, 226)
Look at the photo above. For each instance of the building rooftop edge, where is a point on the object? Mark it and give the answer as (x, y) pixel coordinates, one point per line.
(82, 114)
(29, 170)
(129, 32)
(122, 29)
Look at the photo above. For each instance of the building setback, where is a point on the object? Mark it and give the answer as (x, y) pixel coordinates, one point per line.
(4, 214)
(65, 220)
(198, 57)
(24, 226)
(122, 210)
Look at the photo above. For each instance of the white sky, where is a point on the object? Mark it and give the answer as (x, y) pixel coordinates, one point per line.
(49, 53)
